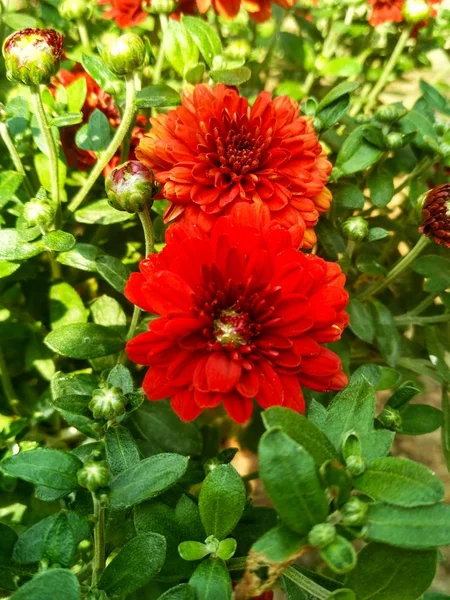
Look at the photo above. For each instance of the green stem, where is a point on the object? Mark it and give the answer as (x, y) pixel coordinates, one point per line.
(426, 302)
(349, 15)
(160, 57)
(4, 134)
(418, 170)
(107, 155)
(388, 68)
(265, 65)
(84, 36)
(446, 425)
(46, 131)
(397, 269)
(10, 394)
(421, 321)
(99, 541)
(309, 82)
(311, 587)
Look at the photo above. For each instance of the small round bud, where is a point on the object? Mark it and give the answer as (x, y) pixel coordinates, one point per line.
(125, 55)
(434, 209)
(394, 140)
(94, 475)
(389, 114)
(355, 228)
(355, 465)
(162, 7)
(75, 10)
(32, 55)
(354, 512)
(317, 124)
(390, 418)
(361, 119)
(322, 535)
(212, 544)
(107, 403)
(415, 11)
(39, 212)
(238, 50)
(130, 187)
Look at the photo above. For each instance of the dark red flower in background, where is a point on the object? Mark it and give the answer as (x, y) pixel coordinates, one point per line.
(243, 315)
(216, 152)
(436, 215)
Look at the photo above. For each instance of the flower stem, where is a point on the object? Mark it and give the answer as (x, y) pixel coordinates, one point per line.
(397, 269)
(421, 321)
(426, 302)
(10, 394)
(84, 35)
(51, 146)
(107, 155)
(303, 582)
(388, 68)
(99, 541)
(4, 134)
(160, 57)
(418, 170)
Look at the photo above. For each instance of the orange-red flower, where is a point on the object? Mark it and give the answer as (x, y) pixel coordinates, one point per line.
(216, 152)
(127, 13)
(391, 11)
(436, 215)
(242, 315)
(259, 10)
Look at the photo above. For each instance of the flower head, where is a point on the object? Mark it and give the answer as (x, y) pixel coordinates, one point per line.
(216, 152)
(384, 11)
(259, 10)
(32, 55)
(242, 316)
(436, 214)
(130, 187)
(125, 54)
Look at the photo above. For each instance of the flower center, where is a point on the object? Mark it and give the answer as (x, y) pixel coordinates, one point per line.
(233, 328)
(241, 150)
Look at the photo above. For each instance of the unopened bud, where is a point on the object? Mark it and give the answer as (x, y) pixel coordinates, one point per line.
(94, 475)
(322, 535)
(107, 403)
(390, 418)
(75, 10)
(238, 50)
(394, 140)
(356, 465)
(162, 7)
(38, 212)
(434, 211)
(355, 228)
(354, 512)
(130, 187)
(389, 114)
(32, 55)
(416, 11)
(125, 55)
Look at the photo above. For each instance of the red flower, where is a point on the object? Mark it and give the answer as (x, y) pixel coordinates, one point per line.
(126, 13)
(259, 10)
(242, 315)
(215, 152)
(391, 10)
(436, 215)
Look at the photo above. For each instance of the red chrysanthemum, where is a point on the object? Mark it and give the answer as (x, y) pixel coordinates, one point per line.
(242, 315)
(436, 215)
(215, 152)
(259, 10)
(128, 13)
(391, 11)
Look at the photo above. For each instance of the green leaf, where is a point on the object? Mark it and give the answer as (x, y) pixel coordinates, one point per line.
(9, 538)
(113, 271)
(42, 166)
(101, 213)
(157, 422)
(342, 89)
(136, 564)
(49, 585)
(157, 95)
(302, 431)
(58, 241)
(356, 153)
(179, 48)
(415, 528)
(13, 248)
(75, 410)
(361, 323)
(108, 312)
(96, 134)
(82, 256)
(341, 67)
(221, 501)
(19, 20)
(211, 580)
(347, 195)
(340, 555)
(8, 268)
(63, 384)
(290, 479)
(84, 340)
(386, 573)
(52, 468)
(147, 479)
(9, 184)
(330, 238)
(66, 306)
(438, 346)
(343, 594)
(333, 112)
(231, 76)
(68, 119)
(386, 333)
(76, 95)
(279, 545)
(418, 419)
(403, 394)
(381, 187)
(437, 271)
(401, 482)
(205, 37)
(377, 233)
(121, 450)
(98, 70)
(180, 592)
(120, 376)
(193, 550)
(353, 409)
(59, 542)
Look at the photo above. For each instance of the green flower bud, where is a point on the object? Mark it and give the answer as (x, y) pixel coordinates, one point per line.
(107, 403)
(322, 535)
(361, 119)
(355, 465)
(390, 418)
(389, 114)
(130, 187)
(94, 475)
(238, 50)
(317, 124)
(394, 140)
(75, 10)
(125, 55)
(39, 212)
(162, 7)
(416, 11)
(32, 55)
(354, 512)
(355, 228)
